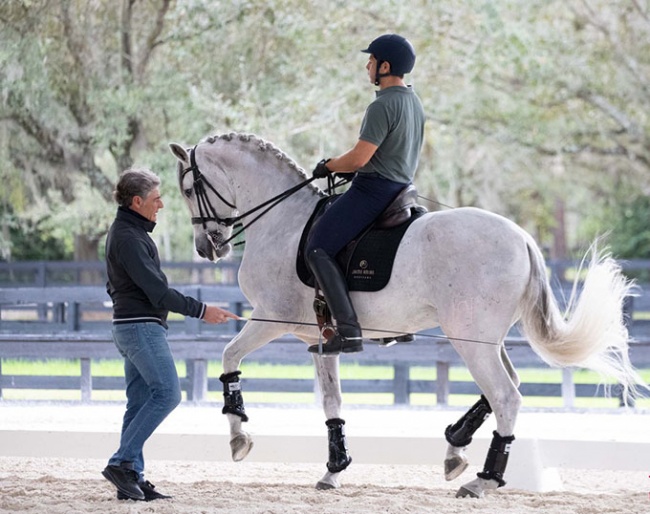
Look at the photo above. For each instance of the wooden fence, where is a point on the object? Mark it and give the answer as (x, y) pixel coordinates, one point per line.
(197, 351)
(79, 328)
(80, 273)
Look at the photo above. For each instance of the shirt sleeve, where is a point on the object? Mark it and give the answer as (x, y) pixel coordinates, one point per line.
(375, 125)
(147, 275)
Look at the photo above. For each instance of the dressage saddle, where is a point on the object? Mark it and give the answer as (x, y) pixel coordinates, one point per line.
(367, 261)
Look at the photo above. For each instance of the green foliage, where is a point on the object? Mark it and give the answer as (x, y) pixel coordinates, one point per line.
(529, 102)
(32, 243)
(630, 236)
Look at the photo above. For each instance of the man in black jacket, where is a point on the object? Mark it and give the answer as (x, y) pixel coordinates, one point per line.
(141, 301)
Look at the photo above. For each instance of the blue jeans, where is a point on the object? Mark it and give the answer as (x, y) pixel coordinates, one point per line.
(353, 212)
(152, 387)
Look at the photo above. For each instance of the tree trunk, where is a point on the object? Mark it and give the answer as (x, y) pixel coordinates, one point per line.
(87, 249)
(559, 250)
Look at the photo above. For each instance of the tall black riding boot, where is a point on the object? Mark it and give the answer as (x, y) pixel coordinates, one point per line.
(335, 289)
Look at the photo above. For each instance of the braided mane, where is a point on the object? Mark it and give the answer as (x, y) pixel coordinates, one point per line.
(262, 146)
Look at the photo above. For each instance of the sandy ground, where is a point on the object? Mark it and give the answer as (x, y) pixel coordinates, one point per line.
(283, 483)
(66, 486)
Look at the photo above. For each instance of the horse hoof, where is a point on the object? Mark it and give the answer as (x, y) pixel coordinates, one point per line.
(455, 466)
(464, 492)
(329, 481)
(240, 447)
(476, 488)
(324, 486)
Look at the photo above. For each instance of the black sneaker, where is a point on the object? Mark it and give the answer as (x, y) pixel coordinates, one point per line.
(149, 491)
(125, 480)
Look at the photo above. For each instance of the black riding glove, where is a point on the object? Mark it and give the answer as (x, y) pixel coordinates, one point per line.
(321, 171)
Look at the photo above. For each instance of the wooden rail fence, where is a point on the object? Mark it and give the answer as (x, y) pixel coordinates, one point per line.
(196, 351)
(74, 323)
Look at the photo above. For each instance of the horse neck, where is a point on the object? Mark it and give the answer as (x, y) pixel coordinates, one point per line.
(257, 175)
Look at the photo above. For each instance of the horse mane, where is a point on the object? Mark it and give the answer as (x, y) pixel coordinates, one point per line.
(262, 146)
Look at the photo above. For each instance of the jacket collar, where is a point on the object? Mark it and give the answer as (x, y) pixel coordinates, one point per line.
(133, 218)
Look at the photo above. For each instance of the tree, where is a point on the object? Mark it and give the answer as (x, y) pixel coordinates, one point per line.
(540, 101)
(73, 88)
(536, 109)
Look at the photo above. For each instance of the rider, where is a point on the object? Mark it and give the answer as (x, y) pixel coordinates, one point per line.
(385, 157)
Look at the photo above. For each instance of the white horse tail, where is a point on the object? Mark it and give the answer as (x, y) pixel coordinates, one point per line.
(592, 334)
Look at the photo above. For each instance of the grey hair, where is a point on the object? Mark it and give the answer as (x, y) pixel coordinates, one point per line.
(134, 182)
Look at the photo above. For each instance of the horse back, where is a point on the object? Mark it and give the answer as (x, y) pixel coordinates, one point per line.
(465, 249)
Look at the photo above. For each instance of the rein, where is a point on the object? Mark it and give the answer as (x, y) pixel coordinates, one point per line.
(208, 213)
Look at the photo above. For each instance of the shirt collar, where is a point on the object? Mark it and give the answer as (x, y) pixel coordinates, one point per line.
(405, 89)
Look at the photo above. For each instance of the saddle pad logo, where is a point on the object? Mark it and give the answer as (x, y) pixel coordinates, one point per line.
(362, 271)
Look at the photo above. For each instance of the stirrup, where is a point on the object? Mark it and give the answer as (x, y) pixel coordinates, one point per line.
(386, 342)
(338, 344)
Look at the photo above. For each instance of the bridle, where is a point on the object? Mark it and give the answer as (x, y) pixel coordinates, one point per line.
(207, 211)
(200, 184)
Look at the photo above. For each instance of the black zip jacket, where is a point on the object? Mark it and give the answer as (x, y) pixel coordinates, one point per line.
(136, 282)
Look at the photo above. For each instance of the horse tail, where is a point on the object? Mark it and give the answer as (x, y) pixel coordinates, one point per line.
(592, 334)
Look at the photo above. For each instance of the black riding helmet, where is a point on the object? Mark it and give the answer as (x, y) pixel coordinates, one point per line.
(396, 50)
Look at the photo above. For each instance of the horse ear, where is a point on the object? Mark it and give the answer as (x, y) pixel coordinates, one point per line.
(179, 152)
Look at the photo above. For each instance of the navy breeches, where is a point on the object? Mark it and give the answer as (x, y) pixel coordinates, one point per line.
(352, 212)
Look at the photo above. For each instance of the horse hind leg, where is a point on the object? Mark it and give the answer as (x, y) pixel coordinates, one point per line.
(510, 369)
(497, 380)
(497, 457)
(327, 370)
(495, 465)
(459, 436)
(505, 405)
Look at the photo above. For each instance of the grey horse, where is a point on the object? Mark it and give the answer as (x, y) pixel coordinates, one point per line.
(470, 272)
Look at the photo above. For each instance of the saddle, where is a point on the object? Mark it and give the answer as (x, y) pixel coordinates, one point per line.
(401, 209)
(367, 261)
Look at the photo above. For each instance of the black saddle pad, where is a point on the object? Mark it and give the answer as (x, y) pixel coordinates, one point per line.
(367, 262)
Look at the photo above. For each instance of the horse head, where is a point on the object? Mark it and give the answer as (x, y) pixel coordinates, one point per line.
(205, 192)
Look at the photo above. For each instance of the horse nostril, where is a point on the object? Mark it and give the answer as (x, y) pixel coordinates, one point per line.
(201, 254)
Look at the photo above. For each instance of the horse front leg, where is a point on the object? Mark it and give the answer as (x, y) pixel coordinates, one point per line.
(327, 371)
(241, 442)
(253, 336)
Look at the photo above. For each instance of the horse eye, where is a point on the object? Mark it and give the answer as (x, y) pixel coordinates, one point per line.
(187, 192)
